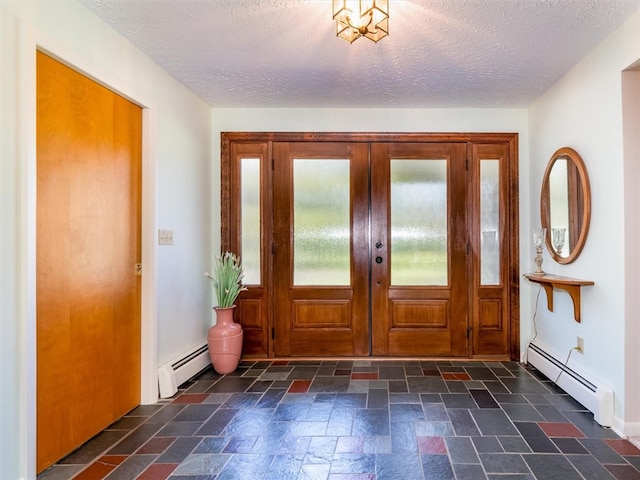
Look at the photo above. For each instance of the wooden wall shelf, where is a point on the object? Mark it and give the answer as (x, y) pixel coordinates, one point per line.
(570, 285)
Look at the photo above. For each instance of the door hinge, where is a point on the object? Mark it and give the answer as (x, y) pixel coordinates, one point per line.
(466, 164)
(273, 164)
(469, 329)
(273, 333)
(468, 248)
(137, 269)
(273, 248)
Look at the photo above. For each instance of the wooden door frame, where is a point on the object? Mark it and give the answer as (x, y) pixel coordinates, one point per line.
(512, 233)
(32, 40)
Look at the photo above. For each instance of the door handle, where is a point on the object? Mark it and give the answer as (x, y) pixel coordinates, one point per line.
(378, 259)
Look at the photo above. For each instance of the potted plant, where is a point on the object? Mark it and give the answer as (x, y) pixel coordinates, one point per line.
(225, 337)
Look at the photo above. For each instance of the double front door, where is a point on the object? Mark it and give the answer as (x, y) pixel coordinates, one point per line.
(384, 248)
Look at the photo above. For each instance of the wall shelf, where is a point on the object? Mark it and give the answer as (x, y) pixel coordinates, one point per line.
(570, 285)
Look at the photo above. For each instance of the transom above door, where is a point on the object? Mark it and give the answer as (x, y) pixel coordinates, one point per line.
(374, 245)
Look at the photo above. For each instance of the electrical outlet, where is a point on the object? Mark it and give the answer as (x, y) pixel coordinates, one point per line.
(165, 237)
(580, 344)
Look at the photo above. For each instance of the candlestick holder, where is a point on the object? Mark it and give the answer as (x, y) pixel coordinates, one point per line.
(538, 241)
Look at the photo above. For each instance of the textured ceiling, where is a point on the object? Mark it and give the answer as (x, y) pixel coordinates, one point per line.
(439, 53)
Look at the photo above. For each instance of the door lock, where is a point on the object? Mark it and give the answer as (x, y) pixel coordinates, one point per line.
(378, 259)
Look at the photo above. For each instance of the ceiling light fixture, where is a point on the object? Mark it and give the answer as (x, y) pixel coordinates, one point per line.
(361, 18)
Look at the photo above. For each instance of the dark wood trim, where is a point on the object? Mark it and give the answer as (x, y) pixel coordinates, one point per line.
(258, 137)
(225, 192)
(513, 230)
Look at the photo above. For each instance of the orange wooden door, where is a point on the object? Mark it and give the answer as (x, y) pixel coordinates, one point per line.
(419, 242)
(320, 262)
(87, 245)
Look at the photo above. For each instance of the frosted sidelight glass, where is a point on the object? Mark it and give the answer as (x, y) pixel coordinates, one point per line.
(321, 222)
(490, 222)
(419, 222)
(250, 219)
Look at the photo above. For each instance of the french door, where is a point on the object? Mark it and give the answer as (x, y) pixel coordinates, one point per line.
(321, 254)
(384, 248)
(418, 229)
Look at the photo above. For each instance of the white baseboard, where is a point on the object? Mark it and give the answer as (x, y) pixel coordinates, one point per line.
(595, 396)
(626, 429)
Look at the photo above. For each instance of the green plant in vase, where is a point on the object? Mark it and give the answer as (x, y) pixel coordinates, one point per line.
(225, 337)
(227, 279)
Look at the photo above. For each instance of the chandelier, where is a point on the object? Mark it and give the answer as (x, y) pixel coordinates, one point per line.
(361, 18)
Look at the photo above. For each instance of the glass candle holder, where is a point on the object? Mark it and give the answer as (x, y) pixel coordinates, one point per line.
(538, 241)
(558, 237)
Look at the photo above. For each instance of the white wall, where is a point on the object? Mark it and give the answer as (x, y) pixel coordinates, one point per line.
(584, 111)
(176, 195)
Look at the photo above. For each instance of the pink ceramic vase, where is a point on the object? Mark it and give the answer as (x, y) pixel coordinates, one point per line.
(225, 341)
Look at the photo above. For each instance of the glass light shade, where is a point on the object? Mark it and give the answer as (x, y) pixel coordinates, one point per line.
(361, 18)
(538, 237)
(538, 241)
(558, 238)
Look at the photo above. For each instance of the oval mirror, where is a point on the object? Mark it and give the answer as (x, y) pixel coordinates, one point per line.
(565, 205)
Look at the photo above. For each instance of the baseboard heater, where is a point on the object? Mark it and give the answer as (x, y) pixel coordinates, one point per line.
(598, 399)
(173, 374)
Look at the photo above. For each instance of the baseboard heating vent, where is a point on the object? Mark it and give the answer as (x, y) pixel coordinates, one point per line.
(173, 374)
(596, 398)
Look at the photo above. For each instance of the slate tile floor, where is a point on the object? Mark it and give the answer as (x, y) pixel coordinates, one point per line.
(359, 420)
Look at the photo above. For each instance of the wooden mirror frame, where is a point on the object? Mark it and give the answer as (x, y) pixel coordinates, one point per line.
(579, 204)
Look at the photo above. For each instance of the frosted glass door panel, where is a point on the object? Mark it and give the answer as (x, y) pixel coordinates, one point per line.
(419, 222)
(321, 222)
(489, 222)
(250, 219)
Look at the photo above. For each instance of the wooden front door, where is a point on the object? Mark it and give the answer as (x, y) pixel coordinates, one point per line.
(370, 249)
(383, 245)
(419, 282)
(321, 249)
(87, 246)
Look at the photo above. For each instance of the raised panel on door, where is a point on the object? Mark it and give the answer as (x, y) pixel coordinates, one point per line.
(418, 264)
(320, 234)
